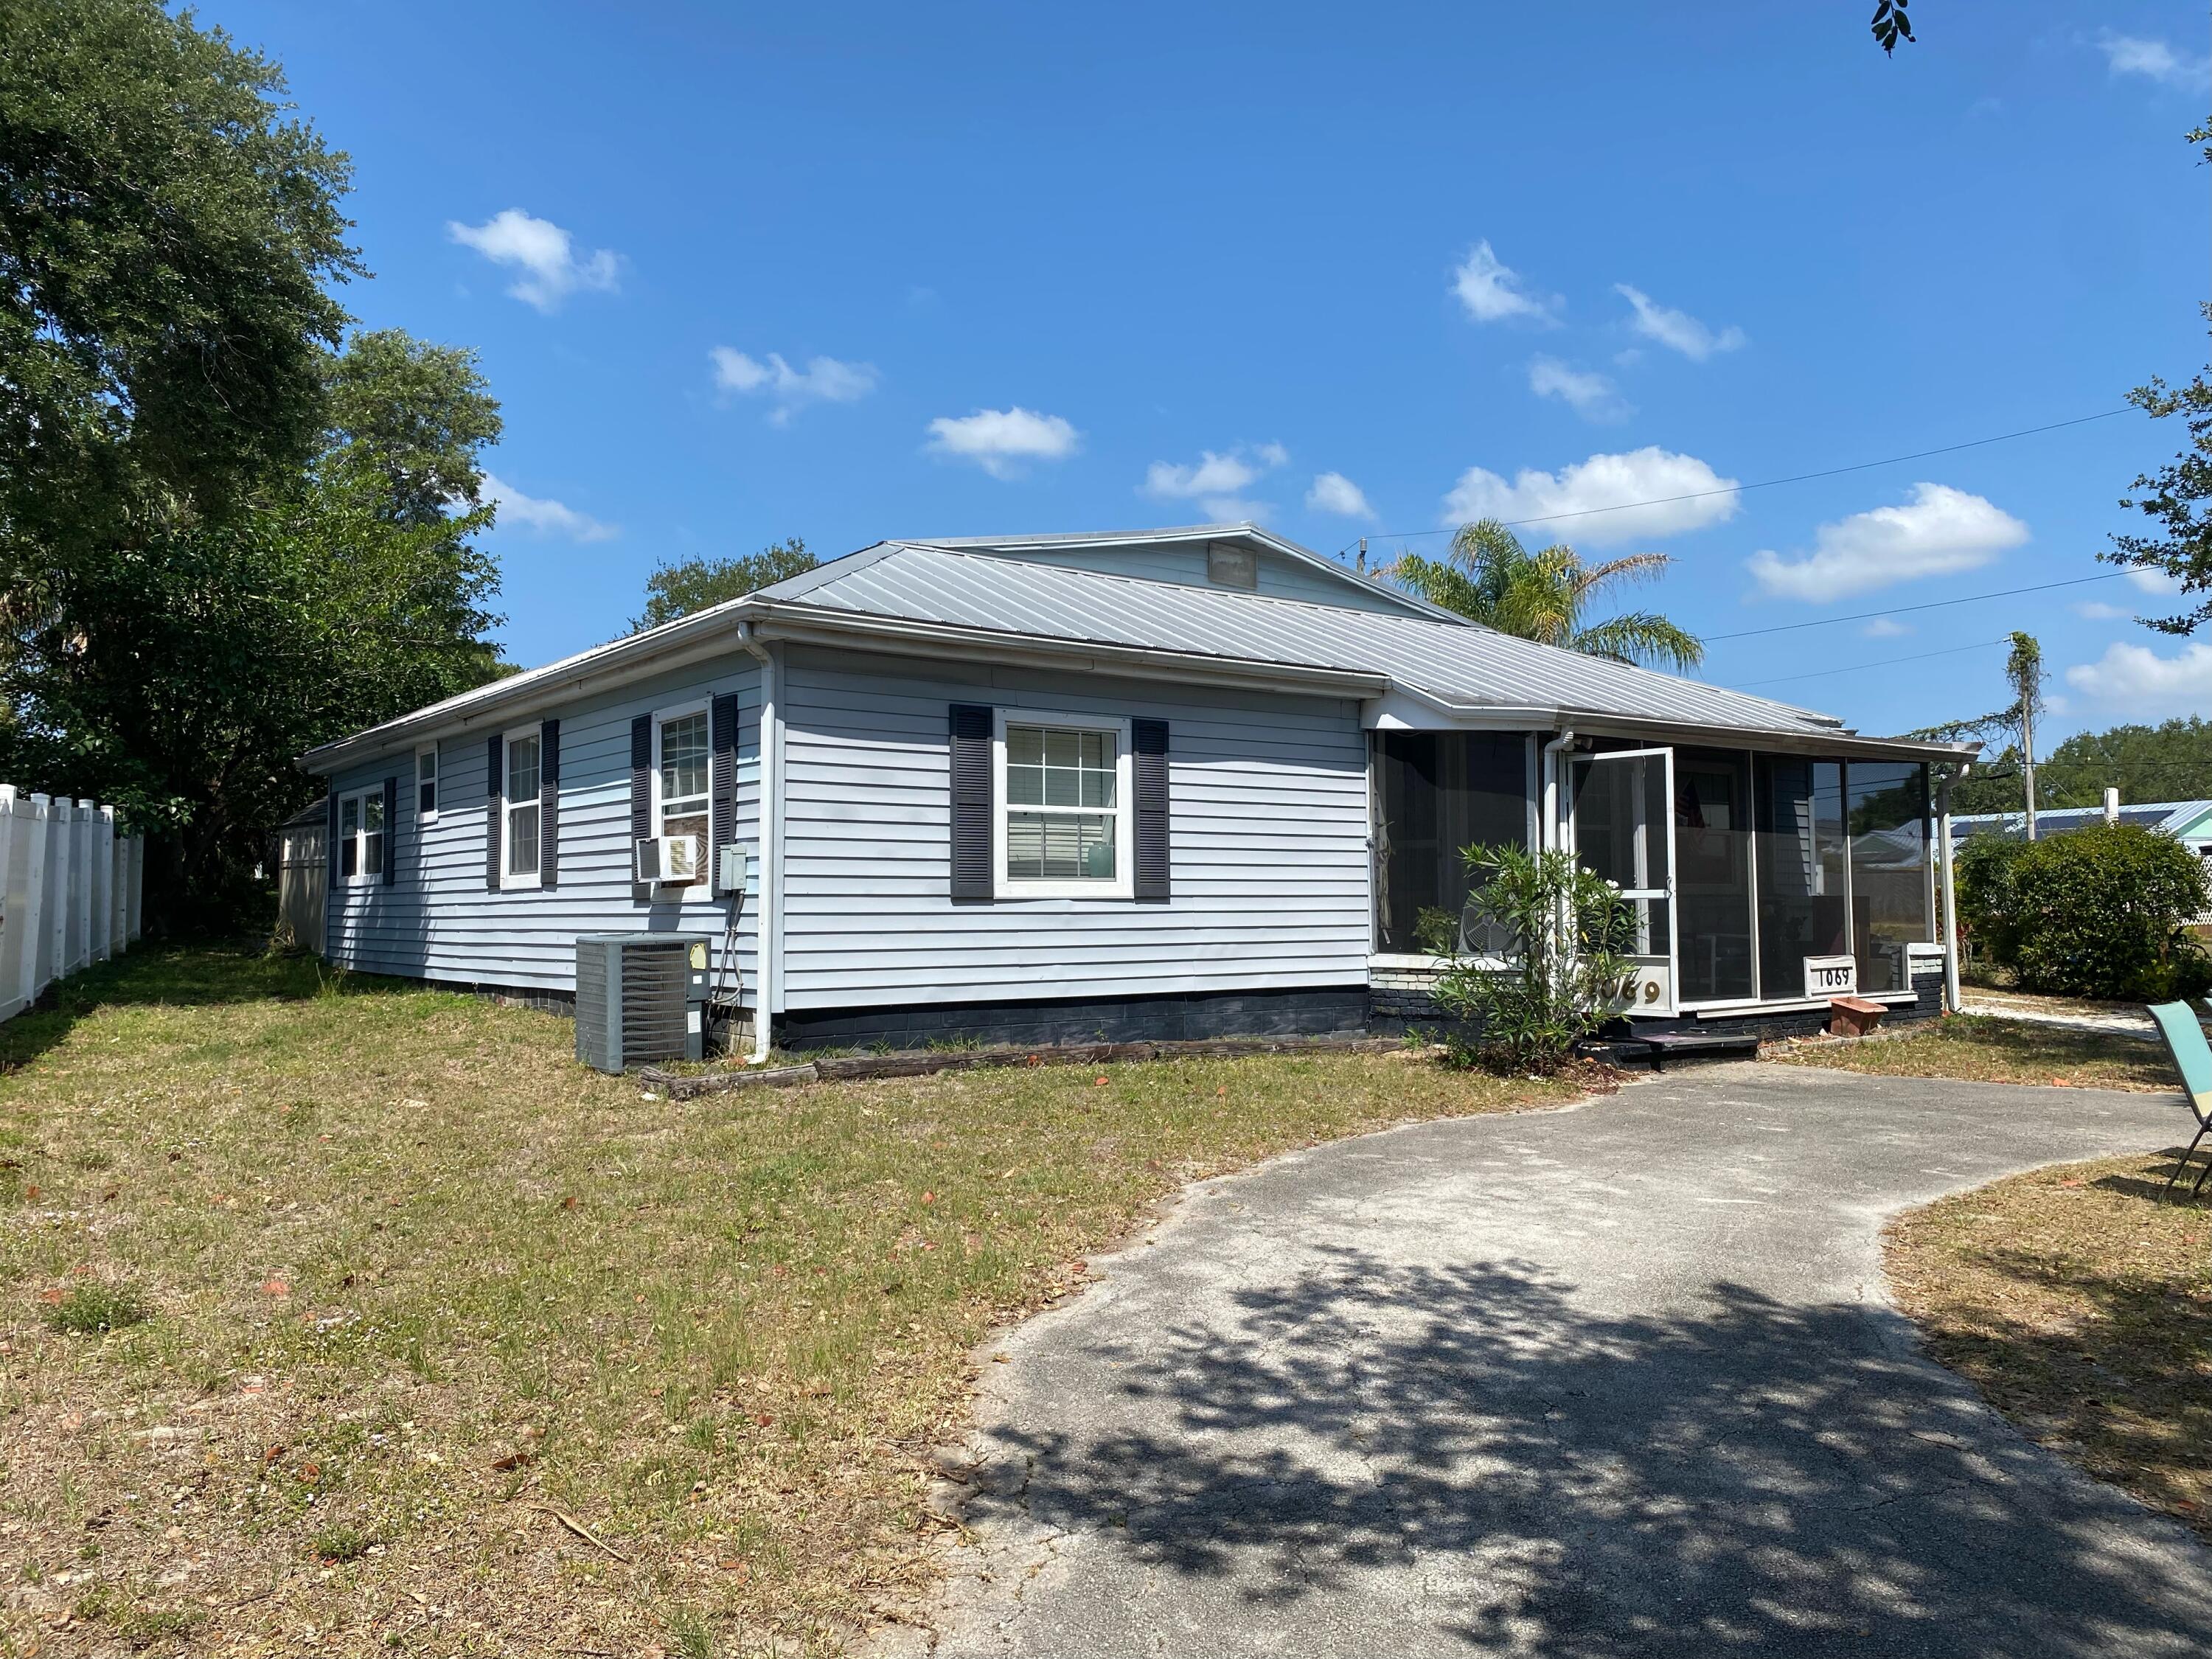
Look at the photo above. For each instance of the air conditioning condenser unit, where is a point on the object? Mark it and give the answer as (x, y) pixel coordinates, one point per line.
(640, 998)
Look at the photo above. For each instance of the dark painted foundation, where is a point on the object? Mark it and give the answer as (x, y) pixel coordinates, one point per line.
(1174, 1017)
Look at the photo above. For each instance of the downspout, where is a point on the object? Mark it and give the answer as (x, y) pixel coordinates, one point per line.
(768, 916)
(1950, 892)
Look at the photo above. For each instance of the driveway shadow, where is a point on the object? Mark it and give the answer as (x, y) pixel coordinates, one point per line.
(1756, 1478)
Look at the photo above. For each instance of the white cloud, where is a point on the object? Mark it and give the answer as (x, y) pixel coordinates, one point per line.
(2098, 610)
(2155, 60)
(1886, 627)
(1000, 440)
(1939, 533)
(1646, 485)
(542, 251)
(1492, 293)
(2152, 579)
(544, 517)
(1590, 394)
(825, 380)
(2147, 685)
(1332, 492)
(1216, 481)
(1677, 330)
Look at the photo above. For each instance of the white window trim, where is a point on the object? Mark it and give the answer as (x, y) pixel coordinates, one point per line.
(362, 877)
(510, 882)
(660, 718)
(437, 782)
(1123, 886)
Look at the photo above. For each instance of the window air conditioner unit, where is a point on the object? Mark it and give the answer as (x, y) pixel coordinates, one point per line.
(676, 858)
(639, 998)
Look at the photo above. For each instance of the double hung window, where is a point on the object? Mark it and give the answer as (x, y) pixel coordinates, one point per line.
(682, 777)
(519, 816)
(426, 784)
(1063, 819)
(360, 835)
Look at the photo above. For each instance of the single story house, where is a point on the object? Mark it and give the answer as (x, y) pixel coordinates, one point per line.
(1175, 782)
(2189, 822)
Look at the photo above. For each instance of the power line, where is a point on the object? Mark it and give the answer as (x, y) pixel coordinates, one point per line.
(1860, 667)
(1764, 484)
(1900, 610)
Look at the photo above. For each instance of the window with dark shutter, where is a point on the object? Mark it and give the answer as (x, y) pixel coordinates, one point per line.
(495, 800)
(640, 798)
(549, 803)
(331, 840)
(972, 877)
(1148, 743)
(722, 812)
(390, 830)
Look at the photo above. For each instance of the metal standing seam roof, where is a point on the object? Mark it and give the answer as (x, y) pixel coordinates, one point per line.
(1456, 663)
(986, 587)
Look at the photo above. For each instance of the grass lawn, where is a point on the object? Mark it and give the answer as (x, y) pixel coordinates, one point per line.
(2082, 1309)
(453, 1347)
(1992, 1050)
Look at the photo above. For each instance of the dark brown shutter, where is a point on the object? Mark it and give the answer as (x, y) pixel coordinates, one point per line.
(495, 792)
(722, 809)
(331, 844)
(971, 803)
(1148, 744)
(549, 803)
(390, 830)
(641, 799)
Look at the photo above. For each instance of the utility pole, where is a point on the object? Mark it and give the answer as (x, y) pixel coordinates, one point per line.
(2025, 669)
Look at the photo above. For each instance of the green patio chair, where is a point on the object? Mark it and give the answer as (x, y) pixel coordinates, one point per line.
(2184, 1041)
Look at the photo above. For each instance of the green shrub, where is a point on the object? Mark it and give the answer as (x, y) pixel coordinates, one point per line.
(2096, 912)
(91, 1307)
(1559, 970)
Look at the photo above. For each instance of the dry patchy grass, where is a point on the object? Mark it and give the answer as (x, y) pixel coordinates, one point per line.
(418, 1286)
(1988, 1050)
(2081, 1307)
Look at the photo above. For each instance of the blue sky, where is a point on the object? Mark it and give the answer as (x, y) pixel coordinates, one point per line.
(853, 271)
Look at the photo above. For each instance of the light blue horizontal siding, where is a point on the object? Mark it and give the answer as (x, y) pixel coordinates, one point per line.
(438, 921)
(1268, 836)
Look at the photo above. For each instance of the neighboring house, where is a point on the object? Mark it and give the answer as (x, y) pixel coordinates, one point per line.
(2189, 822)
(1171, 783)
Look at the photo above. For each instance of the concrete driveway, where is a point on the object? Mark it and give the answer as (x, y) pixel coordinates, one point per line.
(1619, 1379)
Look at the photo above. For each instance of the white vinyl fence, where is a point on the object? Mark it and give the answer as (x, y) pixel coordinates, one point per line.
(69, 891)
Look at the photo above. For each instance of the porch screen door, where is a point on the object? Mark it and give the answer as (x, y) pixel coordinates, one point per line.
(1620, 825)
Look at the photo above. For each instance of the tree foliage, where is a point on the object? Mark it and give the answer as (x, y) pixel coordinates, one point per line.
(1489, 576)
(168, 233)
(179, 671)
(2099, 912)
(2177, 498)
(2172, 761)
(681, 587)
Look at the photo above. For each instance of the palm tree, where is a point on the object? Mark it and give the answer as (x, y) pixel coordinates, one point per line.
(1489, 576)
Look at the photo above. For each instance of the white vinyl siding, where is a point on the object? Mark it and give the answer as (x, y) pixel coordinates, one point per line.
(439, 922)
(1268, 836)
(1275, 576)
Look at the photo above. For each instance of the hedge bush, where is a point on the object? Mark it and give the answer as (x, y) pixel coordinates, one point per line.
(2095, 912)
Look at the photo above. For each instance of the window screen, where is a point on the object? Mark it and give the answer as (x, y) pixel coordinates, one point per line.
(1060, 805)
(1438, 793)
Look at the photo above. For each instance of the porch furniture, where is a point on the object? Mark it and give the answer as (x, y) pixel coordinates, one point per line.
(2184, 1041)
(1853, 1017)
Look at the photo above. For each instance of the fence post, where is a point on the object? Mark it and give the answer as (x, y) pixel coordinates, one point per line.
(118, 889)
(80, 920)
(33, 941)
(11, 906)
(100, 908)
(138, 888)
(53, 951)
